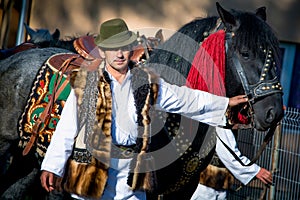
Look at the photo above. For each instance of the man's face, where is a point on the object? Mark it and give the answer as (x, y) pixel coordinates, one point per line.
(118, 59)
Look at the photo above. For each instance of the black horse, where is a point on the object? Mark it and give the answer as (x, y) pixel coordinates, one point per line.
(251, 67)
(252, 56)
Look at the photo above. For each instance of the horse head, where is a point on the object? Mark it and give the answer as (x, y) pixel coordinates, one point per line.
(252, 60)
(41, 35)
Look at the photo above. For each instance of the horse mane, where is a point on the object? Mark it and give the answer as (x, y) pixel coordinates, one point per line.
(254, 33)
(179, 50)
(58, 43)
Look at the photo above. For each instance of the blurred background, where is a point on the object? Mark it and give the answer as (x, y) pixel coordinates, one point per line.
(77, 17)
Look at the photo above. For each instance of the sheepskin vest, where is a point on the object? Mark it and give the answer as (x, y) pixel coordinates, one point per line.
(87, 169)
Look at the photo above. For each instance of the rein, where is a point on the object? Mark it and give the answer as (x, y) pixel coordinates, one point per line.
(267, 139)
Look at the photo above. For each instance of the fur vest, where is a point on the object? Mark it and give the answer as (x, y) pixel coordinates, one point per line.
(216, 176)
(87, 169)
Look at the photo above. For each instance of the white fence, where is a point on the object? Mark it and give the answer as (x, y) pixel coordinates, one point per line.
(282, 157)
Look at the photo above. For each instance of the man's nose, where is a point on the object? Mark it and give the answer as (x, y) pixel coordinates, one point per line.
(120, 53)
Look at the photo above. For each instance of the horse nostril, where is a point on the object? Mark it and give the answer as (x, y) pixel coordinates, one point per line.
(270, 115)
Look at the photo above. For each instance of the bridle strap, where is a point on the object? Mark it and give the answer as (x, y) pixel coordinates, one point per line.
(242, 77)
(258, 90)
(267, 139)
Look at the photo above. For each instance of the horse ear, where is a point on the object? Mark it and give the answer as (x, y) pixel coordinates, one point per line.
(56, 34)
(159, 35)
(226, 17)
(29, 30)
(261, 13)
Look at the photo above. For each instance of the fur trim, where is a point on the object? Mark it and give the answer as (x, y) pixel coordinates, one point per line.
(84, 177)
(87, 180)
(100, 138)
(216, 177)
(98, 141)
(78, 82)
(143, 177)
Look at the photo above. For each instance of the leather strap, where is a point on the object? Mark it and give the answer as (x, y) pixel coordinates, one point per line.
(267, 139)
(44, 116)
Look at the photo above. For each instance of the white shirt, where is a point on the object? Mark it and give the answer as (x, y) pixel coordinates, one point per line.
(198, 105)
(243, 173)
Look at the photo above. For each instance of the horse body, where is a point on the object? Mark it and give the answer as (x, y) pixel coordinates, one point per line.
(250, 45)
(172, 60)
(17, 73)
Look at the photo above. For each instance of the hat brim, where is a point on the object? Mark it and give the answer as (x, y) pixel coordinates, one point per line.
(117, 41)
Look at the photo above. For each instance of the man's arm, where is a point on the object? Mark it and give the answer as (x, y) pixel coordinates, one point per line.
(243, 173)
(195, 104)
(61, 146)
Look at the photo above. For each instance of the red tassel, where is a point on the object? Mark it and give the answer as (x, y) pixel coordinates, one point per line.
(208, 67)
(242, 119)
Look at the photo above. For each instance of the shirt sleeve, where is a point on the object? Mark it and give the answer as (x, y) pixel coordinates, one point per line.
(243, 173)
(62, 141)
(195, 104)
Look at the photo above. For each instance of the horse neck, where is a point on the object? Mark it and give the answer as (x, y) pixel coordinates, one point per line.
(66, 45)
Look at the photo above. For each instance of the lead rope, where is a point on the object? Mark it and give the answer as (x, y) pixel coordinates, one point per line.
(267, 139)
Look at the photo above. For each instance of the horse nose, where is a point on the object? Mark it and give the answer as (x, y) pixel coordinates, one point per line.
(270, 116)
(273, 115)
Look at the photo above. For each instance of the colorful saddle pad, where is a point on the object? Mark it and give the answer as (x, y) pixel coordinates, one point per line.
(47, 82)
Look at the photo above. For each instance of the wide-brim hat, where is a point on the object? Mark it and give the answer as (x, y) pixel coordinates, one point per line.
(114, 33)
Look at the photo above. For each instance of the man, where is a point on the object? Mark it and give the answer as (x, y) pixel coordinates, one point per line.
(215, 190)
(106, 110)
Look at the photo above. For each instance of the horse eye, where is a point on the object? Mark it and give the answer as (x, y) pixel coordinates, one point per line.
(245, 55)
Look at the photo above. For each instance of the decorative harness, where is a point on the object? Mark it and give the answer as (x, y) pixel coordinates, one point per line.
(264, 87)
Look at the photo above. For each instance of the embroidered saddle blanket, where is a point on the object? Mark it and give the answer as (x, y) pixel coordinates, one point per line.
(50, 90)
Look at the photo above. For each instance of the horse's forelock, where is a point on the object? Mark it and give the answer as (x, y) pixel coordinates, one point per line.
(254, 33)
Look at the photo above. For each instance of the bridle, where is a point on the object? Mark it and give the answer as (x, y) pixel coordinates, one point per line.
(264, 87)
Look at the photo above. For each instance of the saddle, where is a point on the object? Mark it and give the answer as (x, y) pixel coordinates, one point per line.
(56, 72)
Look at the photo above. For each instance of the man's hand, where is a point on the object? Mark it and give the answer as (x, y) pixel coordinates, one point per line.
(50, 181)
(234, 101)
(265, 176)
